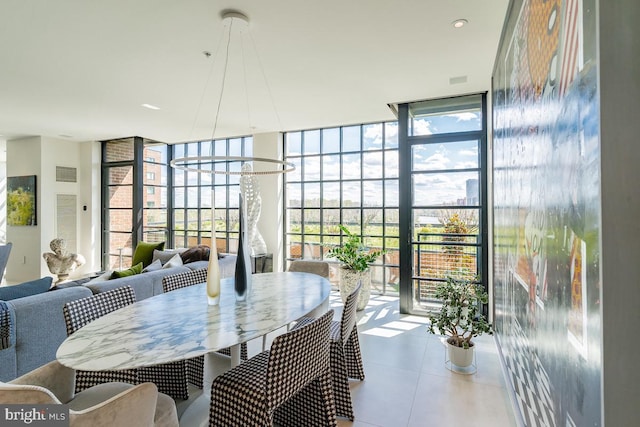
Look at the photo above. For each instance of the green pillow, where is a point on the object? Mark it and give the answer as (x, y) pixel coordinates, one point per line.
(136, 269)
(144, 253)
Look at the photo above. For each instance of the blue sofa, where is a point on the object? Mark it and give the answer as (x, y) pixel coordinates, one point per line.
(36, 326)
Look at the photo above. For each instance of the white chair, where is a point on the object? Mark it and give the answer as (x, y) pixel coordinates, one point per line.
(111, 404)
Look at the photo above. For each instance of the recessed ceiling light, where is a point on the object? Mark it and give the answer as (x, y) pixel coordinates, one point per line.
(150, 107)
(64, 135)
(459, 23)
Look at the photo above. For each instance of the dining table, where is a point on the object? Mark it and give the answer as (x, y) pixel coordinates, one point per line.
(179, 325)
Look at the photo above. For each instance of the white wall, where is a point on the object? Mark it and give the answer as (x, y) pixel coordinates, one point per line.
(23, 158)
(39, 156)
(3, 191)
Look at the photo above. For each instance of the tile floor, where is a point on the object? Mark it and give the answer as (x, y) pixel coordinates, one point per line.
(407, 383)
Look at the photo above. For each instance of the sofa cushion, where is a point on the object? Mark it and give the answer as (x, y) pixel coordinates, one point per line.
(144, 252)
(25, 289)
(131, 271)
(144, 285)
(40, 326)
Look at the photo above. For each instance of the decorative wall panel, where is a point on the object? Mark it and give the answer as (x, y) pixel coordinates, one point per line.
(547, 211)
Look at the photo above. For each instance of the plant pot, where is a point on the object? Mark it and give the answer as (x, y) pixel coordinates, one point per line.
(348, 282)
(459, 356)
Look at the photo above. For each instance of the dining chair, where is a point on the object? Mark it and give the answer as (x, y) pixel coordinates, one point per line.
(195, 365)
(290, 384)
(170, 378)
(346, 359)
(104, 405)
(5, 251)
(321, 268)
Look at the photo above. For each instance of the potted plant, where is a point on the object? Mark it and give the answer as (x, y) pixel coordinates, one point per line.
(460, 317)
(355, 259)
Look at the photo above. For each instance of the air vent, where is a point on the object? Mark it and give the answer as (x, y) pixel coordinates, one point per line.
(457, 80)
(64, 174)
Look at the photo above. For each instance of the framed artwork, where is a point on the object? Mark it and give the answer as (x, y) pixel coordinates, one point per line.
(21, 201)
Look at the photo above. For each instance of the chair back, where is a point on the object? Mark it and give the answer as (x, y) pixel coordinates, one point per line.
(296, 358)
(5, 251)
(7, 324)
(349, 318)
(21, 394)
(321, 268)
(182, 280)
(84, 310)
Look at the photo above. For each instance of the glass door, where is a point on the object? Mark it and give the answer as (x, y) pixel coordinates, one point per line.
(444, 212)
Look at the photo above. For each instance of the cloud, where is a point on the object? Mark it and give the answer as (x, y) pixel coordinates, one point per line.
(468, 152)
(422, 127)
(464, 117)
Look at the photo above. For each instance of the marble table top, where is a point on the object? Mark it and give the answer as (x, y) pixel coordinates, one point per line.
(180, 324)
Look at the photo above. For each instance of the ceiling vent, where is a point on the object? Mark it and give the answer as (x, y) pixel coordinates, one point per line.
(65, 174)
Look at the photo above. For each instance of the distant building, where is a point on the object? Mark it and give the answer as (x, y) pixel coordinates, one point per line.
(472, 198)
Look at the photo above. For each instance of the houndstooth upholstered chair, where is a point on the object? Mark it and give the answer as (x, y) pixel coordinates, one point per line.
(290, 384)
(346, 359)
(104, 405)
(170, 378)
(195, 365)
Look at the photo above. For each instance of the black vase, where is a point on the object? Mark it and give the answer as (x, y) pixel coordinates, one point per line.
(243, 263)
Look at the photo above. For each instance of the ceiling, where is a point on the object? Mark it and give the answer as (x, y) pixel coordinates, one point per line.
(80, 70)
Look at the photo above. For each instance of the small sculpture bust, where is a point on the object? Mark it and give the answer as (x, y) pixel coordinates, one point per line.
(61, 262)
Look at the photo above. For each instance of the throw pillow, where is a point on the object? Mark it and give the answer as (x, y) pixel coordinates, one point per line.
(176, 261)
(166, 254)
(101, 278)
(144, 253)
(155, 265)
(196, 253)
(136, 269)
(25, 289)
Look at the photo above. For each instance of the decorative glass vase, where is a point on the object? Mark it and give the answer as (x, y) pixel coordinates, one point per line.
(243, 263)
(213, 275)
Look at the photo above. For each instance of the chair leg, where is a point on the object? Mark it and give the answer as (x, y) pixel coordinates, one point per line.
(340, 382)
(353, 357)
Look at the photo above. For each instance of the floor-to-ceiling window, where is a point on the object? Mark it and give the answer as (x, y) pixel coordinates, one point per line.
(344, 175)
(192, 193)
(118, 176)
(416, 188)
(174, 205)
(155, 218)
(443, 159)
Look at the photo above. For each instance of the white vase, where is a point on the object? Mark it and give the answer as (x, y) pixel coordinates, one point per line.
(348, 282)
(213, 277)
(459, 356)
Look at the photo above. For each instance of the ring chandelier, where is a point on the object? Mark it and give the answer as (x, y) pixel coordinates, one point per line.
(188, 164)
